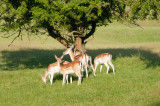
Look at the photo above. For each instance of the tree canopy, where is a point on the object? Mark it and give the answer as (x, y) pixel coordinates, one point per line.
(65, 20)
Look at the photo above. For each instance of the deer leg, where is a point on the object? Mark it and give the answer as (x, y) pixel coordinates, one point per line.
(79, 77)
(101, 68)
(110, 63)
(95, 69)
(63, 79)
(107, 67)
(86, 71)
(67, 78)
(82, 71)
(49, 76)
(79, 80)
(71, 78)
(51, 79)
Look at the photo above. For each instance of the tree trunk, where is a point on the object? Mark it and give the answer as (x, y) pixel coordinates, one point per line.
(79, 45)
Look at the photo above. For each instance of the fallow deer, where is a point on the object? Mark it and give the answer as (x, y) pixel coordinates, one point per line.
(101, 59)
(83, 58)
(88, 58)
(51, 70)
(70, 68)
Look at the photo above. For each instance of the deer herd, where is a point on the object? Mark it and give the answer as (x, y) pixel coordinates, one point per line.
(80, 63)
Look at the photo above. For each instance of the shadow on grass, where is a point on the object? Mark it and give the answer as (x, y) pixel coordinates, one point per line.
(155, 104)
(60, 77)
(38, 58)
(74, 77)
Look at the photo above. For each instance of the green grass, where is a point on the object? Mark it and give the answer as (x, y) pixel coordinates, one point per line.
(136, 57)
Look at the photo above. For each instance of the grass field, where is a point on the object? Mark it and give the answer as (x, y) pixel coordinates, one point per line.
(136, 57)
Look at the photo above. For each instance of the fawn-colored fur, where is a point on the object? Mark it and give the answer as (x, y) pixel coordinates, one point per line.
(105, 59)
(72, 67)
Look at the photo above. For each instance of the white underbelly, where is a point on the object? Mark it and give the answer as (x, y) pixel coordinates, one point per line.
(69, 72)
(54, 70)
(101, 62)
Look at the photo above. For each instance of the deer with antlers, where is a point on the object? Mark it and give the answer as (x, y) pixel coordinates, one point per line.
(83, 58)
(105, 59)
(70, 68)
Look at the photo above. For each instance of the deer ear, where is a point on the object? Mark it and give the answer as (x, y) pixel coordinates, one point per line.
(61, 56)
(55, 56)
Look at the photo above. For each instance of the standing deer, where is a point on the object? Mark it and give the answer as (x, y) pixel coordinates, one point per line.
(51, 70)
(101, 59)
(83, 58)
(70, 68)
(88, 58)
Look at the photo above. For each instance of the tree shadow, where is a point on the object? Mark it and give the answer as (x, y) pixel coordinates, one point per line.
(29, 58)
(150, 59)
(155, 104)
(59, 76)
(40, 58)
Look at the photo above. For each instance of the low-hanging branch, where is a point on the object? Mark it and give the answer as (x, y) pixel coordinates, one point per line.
(56, 35)
(75, 33)
(8, 36)
(91, 32)
(16, 37)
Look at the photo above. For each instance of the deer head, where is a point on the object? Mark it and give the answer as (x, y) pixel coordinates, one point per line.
(68, 50)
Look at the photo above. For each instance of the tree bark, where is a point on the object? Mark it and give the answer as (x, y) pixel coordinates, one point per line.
(79, 45)
(56, 35)
(79, 41)
(91, 32)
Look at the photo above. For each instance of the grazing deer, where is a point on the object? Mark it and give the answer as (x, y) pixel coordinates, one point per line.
(70, 68)
(83, 58)
(51, 70)
(101, 59)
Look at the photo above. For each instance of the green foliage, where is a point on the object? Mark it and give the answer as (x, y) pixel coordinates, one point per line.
(142, 9)
(70, 15)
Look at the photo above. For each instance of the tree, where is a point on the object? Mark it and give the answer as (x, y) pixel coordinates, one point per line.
(71, 21)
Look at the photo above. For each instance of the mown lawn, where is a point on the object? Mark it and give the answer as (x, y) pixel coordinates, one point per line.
(136, 57)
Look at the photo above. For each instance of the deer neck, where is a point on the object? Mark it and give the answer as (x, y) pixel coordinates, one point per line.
(59, 66)
(72, 56)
